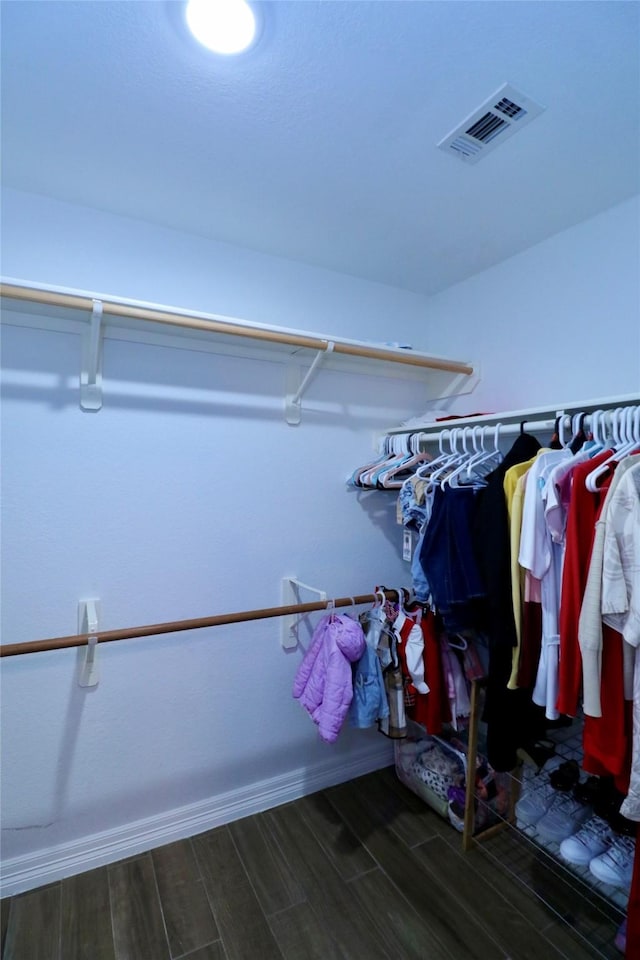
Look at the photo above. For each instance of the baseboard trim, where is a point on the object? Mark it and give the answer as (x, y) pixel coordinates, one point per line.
(65, 860)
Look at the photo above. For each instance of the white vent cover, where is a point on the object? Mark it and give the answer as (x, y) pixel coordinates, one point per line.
(497, 119)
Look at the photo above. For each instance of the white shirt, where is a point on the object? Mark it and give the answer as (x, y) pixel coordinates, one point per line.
(543, 558)
(621, 565)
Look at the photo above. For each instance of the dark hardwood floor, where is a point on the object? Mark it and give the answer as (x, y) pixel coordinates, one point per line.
(362, 871)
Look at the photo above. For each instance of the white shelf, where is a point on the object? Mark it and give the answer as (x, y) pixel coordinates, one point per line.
(529, 415)
(68, 310)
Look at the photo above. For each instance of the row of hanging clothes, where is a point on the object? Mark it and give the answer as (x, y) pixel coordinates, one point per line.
(537, 547)
(496, 555)
(393, 664)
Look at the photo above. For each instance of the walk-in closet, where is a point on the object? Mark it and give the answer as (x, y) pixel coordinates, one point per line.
(320, 509)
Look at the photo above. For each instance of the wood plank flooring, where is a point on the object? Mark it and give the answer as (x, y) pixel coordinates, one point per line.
(362, 871)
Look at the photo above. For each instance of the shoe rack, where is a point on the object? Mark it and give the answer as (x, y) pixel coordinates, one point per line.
(592, 909)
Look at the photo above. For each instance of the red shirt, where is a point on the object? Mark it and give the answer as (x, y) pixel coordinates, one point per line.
(584, 508)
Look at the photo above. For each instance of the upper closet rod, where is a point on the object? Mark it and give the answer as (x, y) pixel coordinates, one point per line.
(531, 416)
(153, 629)
(233, 328)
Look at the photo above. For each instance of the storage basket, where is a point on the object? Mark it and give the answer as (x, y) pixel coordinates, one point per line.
(430, 767)
(435, 770)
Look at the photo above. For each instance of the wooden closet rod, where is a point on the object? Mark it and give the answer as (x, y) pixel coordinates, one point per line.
(213, 325)
(153, 629)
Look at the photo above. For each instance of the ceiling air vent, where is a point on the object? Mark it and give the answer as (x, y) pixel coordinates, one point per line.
(497, 119)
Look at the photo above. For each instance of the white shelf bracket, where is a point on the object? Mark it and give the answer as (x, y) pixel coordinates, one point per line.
(91, 372)
(88, 622)
(293, 398)
(291, 588)
(461, 385)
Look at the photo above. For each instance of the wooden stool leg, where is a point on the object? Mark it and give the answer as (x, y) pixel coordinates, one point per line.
(472, 753)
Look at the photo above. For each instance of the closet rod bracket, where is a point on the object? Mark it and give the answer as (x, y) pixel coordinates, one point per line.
(293, 397)
(290, 593)
(88, 622)
(91, 371)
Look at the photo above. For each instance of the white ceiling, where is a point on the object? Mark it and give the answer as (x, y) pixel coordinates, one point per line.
(319, 145)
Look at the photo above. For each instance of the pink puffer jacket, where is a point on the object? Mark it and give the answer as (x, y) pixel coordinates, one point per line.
(323, 683)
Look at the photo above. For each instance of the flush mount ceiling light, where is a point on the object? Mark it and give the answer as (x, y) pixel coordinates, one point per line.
(222, 26)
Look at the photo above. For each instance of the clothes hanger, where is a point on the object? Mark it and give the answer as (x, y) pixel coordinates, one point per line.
(369, 478)
(628, 439)
(403, 598)
(393, 453)
(355, 479)
(461, 645)
(578, 436)
(452, 479)
(389, 478)
(455, 457)
(622, 446)
(490, 458)
(351, 611)
(400, 454)
(428, 468)
(379, 592)
(480, 448)
(480, 455)
(330, 610)
(596, 422)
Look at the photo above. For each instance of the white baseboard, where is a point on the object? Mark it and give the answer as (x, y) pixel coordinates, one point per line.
(68, 859)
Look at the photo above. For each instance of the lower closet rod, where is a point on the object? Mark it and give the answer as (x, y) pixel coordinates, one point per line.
(152, 629)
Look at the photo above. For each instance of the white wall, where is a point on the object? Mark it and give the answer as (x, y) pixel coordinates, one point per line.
(66, 245)
(186, 495)
(559, 322)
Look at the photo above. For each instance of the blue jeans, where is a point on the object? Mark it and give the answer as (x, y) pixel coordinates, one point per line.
(447, 558)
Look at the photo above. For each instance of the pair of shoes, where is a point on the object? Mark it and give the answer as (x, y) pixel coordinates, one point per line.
(590, 841)
(564, 816)
(536, 754)
(554, 813)
(609, 856)
(567, 775)
(562, 721)
(537, 794)
(615, 865)
(601, 794)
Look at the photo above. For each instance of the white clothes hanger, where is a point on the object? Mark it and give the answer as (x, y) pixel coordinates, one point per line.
(471, 457)
(383, 598)
(443, 455)
(623, 444)
(461, 645)
(368, 478)
(489, 458)
(357, 477)
(388, 478)
(597, 430)
(452, 461)
(465, 456)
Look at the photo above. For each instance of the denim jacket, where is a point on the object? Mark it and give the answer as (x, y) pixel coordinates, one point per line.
(369, 702)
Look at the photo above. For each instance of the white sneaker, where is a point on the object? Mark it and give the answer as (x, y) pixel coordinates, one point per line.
(591, 840)
(563, 818)
(536, 799)
(615, 866)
